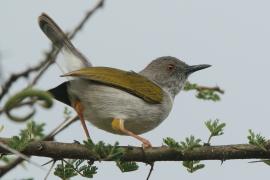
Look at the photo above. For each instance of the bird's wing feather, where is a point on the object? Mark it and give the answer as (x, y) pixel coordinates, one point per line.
(131, 82)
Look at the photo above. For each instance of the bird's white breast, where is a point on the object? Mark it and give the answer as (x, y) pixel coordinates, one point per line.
(104, 103)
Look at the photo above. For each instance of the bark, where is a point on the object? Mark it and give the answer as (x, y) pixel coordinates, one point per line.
(57, 150)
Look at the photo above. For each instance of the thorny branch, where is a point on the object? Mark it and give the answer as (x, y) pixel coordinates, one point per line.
(57, 150)
(14, 77)
(50, 56)
(77, 28)
(42, 67)
(50, 136)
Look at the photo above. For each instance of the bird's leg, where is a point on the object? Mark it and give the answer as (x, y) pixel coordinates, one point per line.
(79, 109)
(118, 124)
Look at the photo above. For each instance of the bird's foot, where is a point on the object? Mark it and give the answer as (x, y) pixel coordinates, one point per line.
(146, 143)
(118, 124)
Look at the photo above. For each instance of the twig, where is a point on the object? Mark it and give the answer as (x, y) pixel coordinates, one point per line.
(215, 88)
(77, 28)
(73, 167)
(88, 14)
(19, 154)
(48, 162)
(6, 86)
(151, 170)
(48, 173)
(9, 166)
(26, 103)
(62, 126)
(51, 55)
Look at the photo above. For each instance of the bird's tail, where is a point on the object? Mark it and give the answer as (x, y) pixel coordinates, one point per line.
(73, 60)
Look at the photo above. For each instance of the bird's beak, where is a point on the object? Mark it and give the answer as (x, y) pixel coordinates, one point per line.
(192, 69)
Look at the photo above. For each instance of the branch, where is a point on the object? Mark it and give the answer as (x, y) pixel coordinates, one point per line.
(57, 150)
(77, 28)
(215, 88)
(50, 55)
(50, 136)
(89, 13)
(192, 86)
(14, 77)
(204, 92)
(42, 67)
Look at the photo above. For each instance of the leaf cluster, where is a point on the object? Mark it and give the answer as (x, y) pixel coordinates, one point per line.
(257, 140)
(127, 166)
(104, 151)
(33, 131)
(184, 146)
(203, 92)
(215, 127)
(71, 168)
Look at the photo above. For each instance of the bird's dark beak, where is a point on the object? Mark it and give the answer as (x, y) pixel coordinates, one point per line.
(192, 69)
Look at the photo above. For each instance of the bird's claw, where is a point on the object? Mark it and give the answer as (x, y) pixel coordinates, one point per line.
(146, 144)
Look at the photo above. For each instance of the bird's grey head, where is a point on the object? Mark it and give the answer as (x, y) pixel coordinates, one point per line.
(170, 73)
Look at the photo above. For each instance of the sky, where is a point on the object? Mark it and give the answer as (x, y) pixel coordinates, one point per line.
(233, 36)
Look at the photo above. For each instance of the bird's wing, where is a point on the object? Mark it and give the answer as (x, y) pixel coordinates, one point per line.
(131, 82)
(73, 58)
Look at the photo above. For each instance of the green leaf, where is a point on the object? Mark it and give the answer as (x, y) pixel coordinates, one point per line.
(257, 140)
(171, 142)
(267, 162)
(5, 159)
(19, 142)
(127, 166)
(104, 151)
(67, 113)
(193, 166)
(184, 146)
(73, 167)
(215, 127)
(36, 130)
(189, 86)
(204, 93)
(33, 131)
(88, 170)
(65, 171)
(190, 143)
(78, 163)
(208, 95)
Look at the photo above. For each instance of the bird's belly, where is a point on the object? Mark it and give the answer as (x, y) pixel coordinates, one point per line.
(104, 103)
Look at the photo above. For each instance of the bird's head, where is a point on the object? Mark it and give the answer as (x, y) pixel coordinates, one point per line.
(170, 73)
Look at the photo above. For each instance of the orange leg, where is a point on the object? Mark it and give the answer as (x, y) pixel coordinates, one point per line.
(79, 109)
(118, 124)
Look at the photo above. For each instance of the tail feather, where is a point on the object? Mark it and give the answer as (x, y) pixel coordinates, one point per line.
(74, 60)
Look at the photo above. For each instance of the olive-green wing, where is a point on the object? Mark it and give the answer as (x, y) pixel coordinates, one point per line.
(129, 81)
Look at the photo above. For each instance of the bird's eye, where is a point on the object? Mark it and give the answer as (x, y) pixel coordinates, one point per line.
(170, 67)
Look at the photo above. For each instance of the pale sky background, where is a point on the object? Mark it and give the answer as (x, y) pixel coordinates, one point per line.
(233, 36)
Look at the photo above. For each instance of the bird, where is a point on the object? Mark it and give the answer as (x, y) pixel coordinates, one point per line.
(117, 101)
